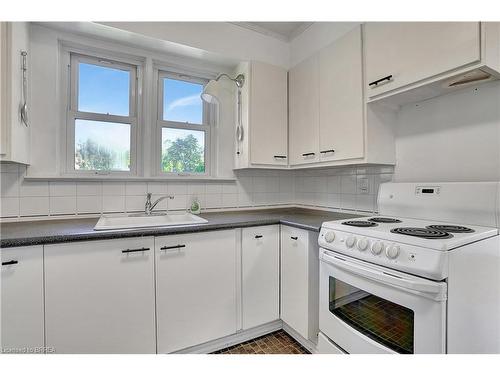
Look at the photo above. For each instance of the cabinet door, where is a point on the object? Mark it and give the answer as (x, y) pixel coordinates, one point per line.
(304, 112)
(269, 115)
(294, 279)
(196, 288)
(413, 51)
(22, 299)
(341, 99)
(260, 270)
(99, 296)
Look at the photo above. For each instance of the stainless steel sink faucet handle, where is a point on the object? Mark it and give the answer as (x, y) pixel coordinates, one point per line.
(149, 207)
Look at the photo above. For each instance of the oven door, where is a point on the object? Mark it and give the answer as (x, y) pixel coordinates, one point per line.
(368, 309)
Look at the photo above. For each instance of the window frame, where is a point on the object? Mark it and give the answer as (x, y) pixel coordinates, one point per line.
(73, 114)
(206, 126)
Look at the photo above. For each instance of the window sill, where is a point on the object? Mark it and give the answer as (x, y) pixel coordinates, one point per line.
(127, 178)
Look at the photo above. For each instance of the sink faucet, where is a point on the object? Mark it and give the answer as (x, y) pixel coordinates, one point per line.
(149, 207)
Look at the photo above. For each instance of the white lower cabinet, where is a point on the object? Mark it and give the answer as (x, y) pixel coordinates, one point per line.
(260, 275)
(99, 296)
(300, 281)
(195, 288)
(22, 299)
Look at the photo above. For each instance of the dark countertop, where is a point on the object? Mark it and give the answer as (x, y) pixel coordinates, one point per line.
(29, 233)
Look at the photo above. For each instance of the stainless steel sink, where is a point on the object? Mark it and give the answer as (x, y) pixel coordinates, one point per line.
(127, 221)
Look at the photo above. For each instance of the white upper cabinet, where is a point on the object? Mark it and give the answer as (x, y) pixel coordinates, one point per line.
(22, 299)
(99, 296)
(304, 111)
(402, 53)
(15, 134)
(260, 275)
(264, 117)
(341, 99)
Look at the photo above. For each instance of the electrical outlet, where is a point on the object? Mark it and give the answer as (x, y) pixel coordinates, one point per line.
(363, 186)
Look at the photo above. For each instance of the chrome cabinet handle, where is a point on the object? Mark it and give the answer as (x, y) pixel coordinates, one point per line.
(127, 251)
(172, 247)
(378, 81)
(9, 263)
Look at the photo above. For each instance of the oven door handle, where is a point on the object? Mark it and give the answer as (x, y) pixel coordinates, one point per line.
(420, 285)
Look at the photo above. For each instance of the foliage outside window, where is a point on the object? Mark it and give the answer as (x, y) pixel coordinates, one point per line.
(182, 119)
(102, 115)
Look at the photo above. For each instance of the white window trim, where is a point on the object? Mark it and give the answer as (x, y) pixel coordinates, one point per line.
(207, 126)
(74, 56)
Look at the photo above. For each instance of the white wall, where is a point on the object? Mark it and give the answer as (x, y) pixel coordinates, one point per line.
(224, 38)
(316, 37)
(451, 138)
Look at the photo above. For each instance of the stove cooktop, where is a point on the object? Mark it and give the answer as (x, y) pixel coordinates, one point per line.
(425, 233)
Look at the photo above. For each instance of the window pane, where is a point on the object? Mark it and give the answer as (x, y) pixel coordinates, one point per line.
(102, 146)
(182, 101)
(183, 150)
(103, 90)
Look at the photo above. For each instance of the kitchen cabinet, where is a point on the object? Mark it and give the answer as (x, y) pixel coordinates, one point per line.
(264, 117)
(341, 124)
(99, 296)
(15, 135)
(260, 275)
(300, 281)
(330, 124)
(195, 288)
(22, 299)
(304, 111)
(403, 53)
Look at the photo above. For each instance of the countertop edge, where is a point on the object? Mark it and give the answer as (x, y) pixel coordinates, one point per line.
(96, 236)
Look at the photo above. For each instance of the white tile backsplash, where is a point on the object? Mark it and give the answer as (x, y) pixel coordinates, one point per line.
(34, 189)
(136, 188)
(89, 204)
(88, 188)
(331, 188)
(34, 206)
(62, 205)
(9, 207)
(62, 188)
(113, 188)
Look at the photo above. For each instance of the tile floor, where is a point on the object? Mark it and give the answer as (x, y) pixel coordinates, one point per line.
(278, 342)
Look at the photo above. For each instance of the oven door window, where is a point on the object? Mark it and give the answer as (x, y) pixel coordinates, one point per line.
(383, 321)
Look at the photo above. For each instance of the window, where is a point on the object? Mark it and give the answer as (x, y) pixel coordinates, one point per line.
(102, 116)
(183, 124)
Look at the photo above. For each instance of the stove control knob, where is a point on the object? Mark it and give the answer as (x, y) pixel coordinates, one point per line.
(329, 236)
(350, 241)
(363, 244)
(377, 247)
(392, 251)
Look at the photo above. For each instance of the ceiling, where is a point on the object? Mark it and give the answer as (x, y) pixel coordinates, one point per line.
(285, 31)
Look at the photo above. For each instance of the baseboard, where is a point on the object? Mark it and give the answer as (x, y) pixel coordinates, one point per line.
(309, 345)
(234, 339)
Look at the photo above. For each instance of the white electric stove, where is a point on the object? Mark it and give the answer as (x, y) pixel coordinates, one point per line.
(421, 277)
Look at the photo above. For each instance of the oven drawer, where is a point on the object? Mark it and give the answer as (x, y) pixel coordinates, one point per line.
(369, 309)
